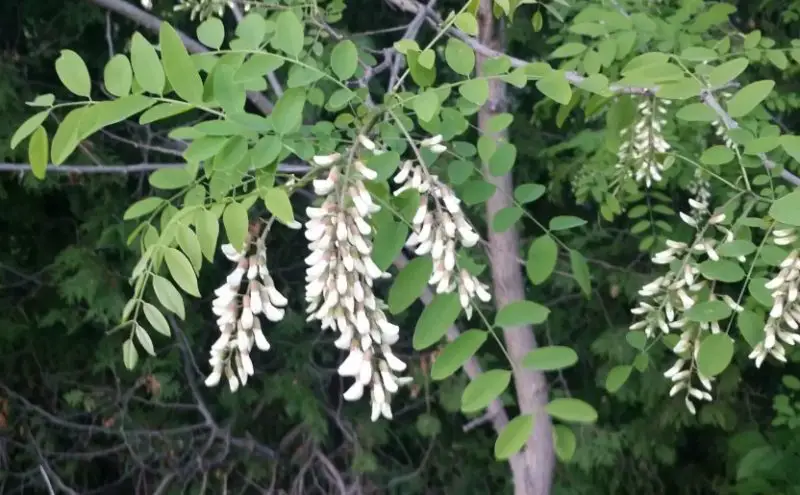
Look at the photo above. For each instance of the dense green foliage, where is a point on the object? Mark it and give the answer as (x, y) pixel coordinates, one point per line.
(91, 405)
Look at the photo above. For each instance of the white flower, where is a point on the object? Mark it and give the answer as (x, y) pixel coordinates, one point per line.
(240, 327)
(643, 142)
(340, 276)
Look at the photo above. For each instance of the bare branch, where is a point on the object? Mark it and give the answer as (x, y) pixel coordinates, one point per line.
(289, 168)
(153, 23)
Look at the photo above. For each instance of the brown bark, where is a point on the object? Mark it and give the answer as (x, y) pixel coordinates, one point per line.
(533, 473)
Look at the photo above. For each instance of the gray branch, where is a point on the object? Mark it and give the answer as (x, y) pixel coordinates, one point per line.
(289, 168)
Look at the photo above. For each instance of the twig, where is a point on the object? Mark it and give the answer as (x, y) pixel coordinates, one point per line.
(47, 480)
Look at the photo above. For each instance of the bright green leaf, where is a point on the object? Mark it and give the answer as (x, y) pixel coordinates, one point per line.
(182, 271)
(571, 410)
(550, 358)
(565, 222)
(748, 98)
(542, 258)
(147, 67)
(485, 388)
(513, 437)
(436, 318)
(344, 59)
(236, 221)
(179, 68)
(156, 319)
(580, 270)
(72, 72)
(409, 284)
(38, 152)
(211, 33)
(520, 313)
(118, 75)
(617, 377)
(555, 86)
(715, 354)
(169, 296)
(457, 352)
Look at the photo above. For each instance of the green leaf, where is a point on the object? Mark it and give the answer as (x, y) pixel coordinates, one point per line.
(748, 98)
(513, 437)
(207, 226)
(571, 410)
(156, 319)
(236, 222)
(289, 33)
(697, 112)
(170, 178)
(502, 160)
(142, 208)
(72, 72)
(182, 271)
(426, 105)
(580, 270)
(409, 284)
(147, 67)
(787, 209)
(757, 288)
(520, 313)
(251, 31)
(180, 70)
(129, 354)
(550, 358)
(699, 54)
(278, 203)
(459, 57)
(708, 311)
(436, 318)
(389, 241)
(564, 442)
(287, 116)
(477, 191)
(118, 75)
(542, 258)
(727, 72)
(163, 111)
(38, 152)
(527, 193)
(715, 354)
(506, 218)
(485, 388)
(457, 352)
(204, 148)
(617, 377)
(499, 122)
(344, 59)
(467, 23)
(555, 86)
(568, 50)
(211, 33)
(565, 222)
(636, 339)
(791, 145)
(144, 339)
(475, 91)
(717, 155)
(66, 138)
(168, 296)
(722, 270)
(190, 245)
(45, 100)
(27, 127)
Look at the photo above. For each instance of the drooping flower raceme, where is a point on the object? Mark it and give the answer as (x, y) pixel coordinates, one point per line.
(783, 321)
(644, 141)
(667, 299)
(339, 284)
(440, 227)
(248, 292)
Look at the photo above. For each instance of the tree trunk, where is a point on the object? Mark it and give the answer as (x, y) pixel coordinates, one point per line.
(533, 469)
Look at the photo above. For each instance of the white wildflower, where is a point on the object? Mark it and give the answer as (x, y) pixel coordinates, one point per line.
(643, 142)
(339, 288)
(248, 292)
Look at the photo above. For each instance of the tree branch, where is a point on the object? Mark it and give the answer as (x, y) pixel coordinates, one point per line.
(533, 474)
(153, 23)
(289, 168)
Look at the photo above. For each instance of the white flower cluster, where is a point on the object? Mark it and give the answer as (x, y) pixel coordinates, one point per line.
(668, 297)
(783, 321)
(700, 188)
(201, 9)
(339, 283)
(439, 228)
(238, 312)
(641, 144)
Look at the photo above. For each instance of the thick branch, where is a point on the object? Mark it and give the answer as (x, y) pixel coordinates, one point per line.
(153, 23)
(534, 474)
(126, 169)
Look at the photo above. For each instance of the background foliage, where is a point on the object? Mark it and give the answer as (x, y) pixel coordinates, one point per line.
(68, 406)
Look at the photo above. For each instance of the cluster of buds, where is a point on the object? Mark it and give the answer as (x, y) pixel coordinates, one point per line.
(440, 227)
(238, 313)
(783, 321)
(641, 143)
(700, 188)
(340, 278)
(720, 129)
(667, 298)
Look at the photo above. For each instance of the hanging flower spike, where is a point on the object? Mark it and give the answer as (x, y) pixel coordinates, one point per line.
(639, 148)
(339, 286)
(783, 321)
(240, 327)
(439, 227)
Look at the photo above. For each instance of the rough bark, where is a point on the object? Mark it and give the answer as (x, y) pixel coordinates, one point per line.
(534, 475)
